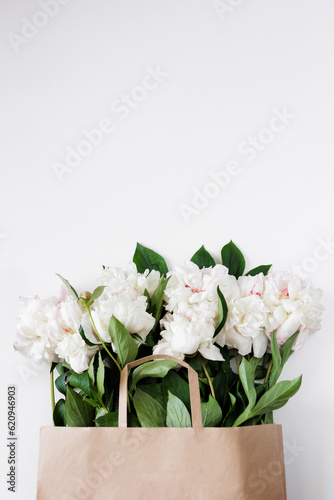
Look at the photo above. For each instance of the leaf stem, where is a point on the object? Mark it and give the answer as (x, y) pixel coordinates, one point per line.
(52, 387)
(102, 404)
(236, 359)
(268, 371)
(104, 345)
(207, 376)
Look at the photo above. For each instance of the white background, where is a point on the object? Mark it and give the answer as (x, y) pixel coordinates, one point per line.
(226, 76)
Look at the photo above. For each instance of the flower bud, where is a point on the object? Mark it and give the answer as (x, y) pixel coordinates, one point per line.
(85, 295)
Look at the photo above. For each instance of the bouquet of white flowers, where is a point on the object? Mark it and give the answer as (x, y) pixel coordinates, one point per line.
(235, 330)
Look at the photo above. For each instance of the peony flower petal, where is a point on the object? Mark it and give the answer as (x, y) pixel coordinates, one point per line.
(260, 345)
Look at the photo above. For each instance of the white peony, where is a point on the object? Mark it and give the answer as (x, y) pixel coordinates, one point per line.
(74, 350)
(47, 330)
(123, 297)
(34, 337)
(119, 280)
(130, 311)
(183, 337)
(244, 329)
(192, 291)
(192, 302)
(294, 305)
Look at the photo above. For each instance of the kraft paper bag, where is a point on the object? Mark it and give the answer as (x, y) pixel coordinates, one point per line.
(99, 463)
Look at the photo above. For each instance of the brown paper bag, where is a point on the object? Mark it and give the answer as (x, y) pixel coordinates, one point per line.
(197, 463)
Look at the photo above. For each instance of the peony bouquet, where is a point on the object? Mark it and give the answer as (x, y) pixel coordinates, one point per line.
(236, 330)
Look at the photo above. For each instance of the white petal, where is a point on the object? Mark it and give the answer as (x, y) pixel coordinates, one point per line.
(260, 345)
(210, 351)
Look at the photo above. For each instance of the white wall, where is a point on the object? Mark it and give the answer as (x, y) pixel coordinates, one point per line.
(227, 77)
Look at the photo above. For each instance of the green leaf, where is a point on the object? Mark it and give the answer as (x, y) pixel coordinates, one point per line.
(100, 377)
(137, 337)
(242, 399)
(78, 413)
(258, 270)
(177, 413)
(92, 402)
(91, 371)
(247, 377)
(110, 398)
(177, 386)
(260, 388)
(126, 347)
(149, 412)
(211, 413)
(233, 259)
(266, 359)
(286, 350)
(69, 286)
(222, 311)
(133, 420)
(83, 336)
(148, 300)
(59, 414)
(60, 368)
(81, 381)
(245, 415)
(149, 341)
(203, 259)
(155, 369)
(280, 357)
(196, 365)
(96, 294)
(277, 396)
(107, 420)
(232, 398)
(66, 366)
(277, 362)
(254, 362)
(157, 300)
(144, 258)
(269, 418)
(60, 383)
(273, 399)
(100, 412)
(220, 387)
(260, 372)
(156, 391)
(226, 353)
(229, 419)
(255, 420)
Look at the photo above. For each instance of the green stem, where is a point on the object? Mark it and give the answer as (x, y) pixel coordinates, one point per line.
(207, 376)
(104, 345)
(236, 359)
(102, 404)
(52, 387)
(268, 372)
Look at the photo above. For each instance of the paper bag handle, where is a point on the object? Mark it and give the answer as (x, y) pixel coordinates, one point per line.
(195, 399)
